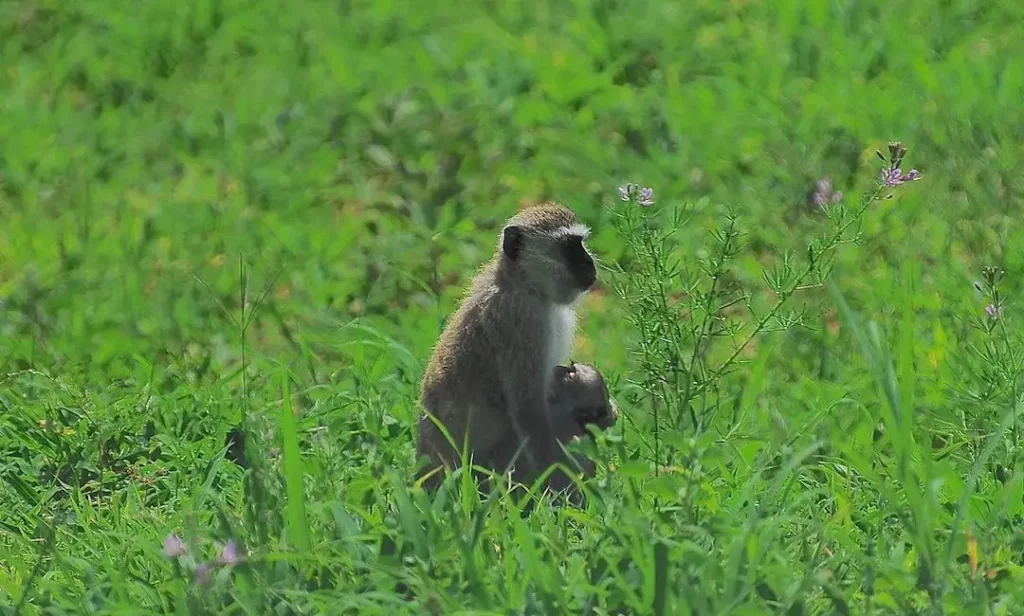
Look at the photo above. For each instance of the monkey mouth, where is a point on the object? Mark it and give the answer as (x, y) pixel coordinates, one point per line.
(588, 417)
(587, 281)
(581, 289)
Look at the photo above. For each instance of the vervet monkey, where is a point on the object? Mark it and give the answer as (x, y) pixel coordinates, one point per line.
(491, 371)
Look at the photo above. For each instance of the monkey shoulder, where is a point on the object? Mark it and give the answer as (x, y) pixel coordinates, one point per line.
(462, 348)
(493, 336)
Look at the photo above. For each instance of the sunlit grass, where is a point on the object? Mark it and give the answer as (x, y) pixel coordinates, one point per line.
(354, 162)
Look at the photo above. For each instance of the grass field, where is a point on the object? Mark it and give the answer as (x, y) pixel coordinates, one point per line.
(230, 232)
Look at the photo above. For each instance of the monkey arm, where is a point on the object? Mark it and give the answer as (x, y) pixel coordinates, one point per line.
(530, 418)
(525, 388)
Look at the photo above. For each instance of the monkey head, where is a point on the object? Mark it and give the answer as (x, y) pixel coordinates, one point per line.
(581, 388)
(544, 245)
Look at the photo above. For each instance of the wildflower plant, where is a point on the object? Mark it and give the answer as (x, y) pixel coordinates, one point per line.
(693, 324)
(998, 358)
(892, 174)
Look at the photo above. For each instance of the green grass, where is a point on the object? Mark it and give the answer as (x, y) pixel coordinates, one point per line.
(236, 227)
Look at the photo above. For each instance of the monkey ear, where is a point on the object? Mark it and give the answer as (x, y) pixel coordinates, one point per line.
(512, 241)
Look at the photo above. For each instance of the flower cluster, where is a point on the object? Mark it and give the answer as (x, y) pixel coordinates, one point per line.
(824, 194)
(229, 556)
(642, 195)
(989, 287)
(174, 546)
(892, 174)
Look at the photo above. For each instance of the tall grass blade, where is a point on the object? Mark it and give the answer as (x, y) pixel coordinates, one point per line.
(660, 577)
(298, 524)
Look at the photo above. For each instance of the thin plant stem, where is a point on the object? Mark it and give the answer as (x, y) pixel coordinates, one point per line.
(833, 241)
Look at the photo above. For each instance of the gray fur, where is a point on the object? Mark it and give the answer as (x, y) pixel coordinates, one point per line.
(491, 371)
(578, 397)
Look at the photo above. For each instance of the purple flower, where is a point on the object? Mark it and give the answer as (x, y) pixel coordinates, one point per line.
(993, 312)
(646, 197)
(626, 192)
(894, 176)
(643, 195)
(229, 555)
(174, 546)
(824, 194)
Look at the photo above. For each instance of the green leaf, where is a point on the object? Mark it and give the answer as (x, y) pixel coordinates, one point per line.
(660, 577)
(755, 383)
(906, 372)
(298, 525)
(635, 469)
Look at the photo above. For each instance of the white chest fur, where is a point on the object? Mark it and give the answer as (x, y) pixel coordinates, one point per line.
(562, 328)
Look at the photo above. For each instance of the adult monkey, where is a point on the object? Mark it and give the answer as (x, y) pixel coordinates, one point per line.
(491, 373)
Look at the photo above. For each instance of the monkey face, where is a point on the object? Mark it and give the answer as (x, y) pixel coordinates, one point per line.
(578, 261)
(582, 390)
(545, 244)
(560, 266)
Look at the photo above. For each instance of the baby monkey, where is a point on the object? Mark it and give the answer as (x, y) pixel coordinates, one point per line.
(578, 397)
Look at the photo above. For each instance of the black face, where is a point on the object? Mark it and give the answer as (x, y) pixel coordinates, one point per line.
(581, 264)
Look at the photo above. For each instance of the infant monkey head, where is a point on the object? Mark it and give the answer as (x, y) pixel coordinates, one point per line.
(579, 390)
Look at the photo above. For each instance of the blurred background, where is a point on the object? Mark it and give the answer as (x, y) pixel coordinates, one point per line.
(364, 153)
